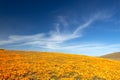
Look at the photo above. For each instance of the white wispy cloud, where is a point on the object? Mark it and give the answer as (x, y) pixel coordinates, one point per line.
(55, 39)
(62, 20)
(92, 48)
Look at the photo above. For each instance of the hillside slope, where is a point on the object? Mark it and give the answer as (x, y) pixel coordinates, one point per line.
(22, 65)
(115, 56)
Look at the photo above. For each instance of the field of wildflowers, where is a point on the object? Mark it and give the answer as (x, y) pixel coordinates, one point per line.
(24, 65)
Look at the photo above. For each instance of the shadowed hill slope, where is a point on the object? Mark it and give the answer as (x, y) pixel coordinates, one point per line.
(115, 56)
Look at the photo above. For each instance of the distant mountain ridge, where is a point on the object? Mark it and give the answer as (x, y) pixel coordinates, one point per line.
(115, 56)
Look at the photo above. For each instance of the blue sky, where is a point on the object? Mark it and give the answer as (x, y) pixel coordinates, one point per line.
(90, 27)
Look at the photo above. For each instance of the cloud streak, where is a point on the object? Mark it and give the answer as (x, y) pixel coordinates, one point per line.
(55, 39)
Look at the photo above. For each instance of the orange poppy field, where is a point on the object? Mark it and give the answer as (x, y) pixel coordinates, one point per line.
(29, 65)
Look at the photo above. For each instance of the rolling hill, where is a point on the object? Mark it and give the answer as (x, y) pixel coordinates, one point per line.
(115, 56)
(29, 65)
